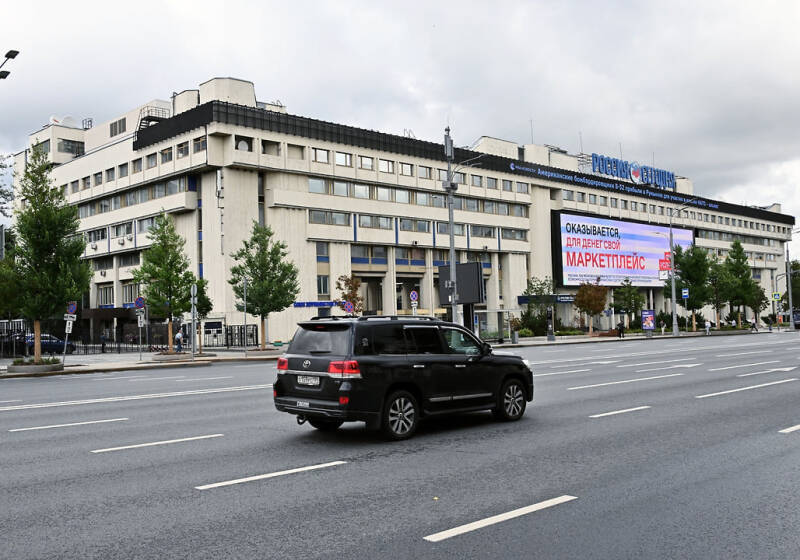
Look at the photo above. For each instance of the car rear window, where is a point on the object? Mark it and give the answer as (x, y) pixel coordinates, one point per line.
(321, 339)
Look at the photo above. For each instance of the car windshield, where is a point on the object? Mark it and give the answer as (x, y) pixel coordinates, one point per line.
(321, 339)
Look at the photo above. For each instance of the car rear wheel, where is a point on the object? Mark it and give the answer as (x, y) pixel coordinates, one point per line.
(326, 425)
(400, 416)
(511, 401)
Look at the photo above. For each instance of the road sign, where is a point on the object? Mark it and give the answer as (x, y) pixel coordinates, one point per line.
(68, 328)
(194, 290)
(776, 296)
(414, 304)
(68, 317)
(139, 303)
(413, 296)
(348, 307)
(140, 311)
(685, 293)
(663, 274)
(72, 307)
(141, 321)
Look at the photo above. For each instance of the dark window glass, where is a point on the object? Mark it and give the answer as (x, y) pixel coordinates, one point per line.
(424, 340)
(321, 339)
(380, 339)
(459, 342)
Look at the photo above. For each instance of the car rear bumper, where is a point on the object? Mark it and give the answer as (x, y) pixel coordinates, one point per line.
(311, 408)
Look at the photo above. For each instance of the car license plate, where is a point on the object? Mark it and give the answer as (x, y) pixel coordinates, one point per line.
(307, 380)
(302, 404)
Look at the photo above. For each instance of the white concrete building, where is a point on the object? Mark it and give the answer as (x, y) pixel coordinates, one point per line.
(349, 200)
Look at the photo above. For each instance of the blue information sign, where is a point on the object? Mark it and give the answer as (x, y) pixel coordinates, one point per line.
(685, 293)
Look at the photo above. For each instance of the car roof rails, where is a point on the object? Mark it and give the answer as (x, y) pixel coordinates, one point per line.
(397, 317)
(328, 318)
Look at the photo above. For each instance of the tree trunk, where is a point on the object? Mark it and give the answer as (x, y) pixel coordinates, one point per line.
(200, 336)
(263, 333)
(170, 349)
(37, 342)
(716, 315)
(590, 325)
(740, 319)
(694, 322)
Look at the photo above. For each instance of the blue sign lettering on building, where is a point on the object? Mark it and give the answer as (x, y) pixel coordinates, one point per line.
(632, 171)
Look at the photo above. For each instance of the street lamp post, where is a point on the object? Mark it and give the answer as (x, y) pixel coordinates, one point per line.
(9, 55)
(450, 187)
(789, 289)
(675, 331)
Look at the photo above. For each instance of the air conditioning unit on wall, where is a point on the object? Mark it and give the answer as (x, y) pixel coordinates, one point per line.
(94, 245)
(102, 273)
(121, 241)
(130, 237)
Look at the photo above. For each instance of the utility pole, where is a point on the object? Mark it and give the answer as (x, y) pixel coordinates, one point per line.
(672, 276)
(244, 331)
(789, 289)
(450, 187)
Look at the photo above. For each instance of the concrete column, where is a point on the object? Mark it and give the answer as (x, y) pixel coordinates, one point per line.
(389, 285)
(426, 296)
(493, 300)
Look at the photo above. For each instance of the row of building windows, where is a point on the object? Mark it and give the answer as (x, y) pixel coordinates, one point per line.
(105, 293)
(132, 197)
(634, 206)
(420, 198)
(731, 237)
(410, 224)
(107, 263)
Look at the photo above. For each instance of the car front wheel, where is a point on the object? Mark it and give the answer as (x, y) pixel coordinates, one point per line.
(326, 425)
(511, 401)
(400, 416)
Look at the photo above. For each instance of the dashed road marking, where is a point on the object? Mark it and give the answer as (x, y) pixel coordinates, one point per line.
(615, 412)
(625, 381)
(151, 444)
(269, 475)
(745, 388)
(68, 425)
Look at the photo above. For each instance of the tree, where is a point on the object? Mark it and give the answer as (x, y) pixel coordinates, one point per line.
(719, 286)
(794, 268)
(534, 316)
(164, 274)
(6, 193)
(741, 285)
(691, 272)
(202, 307)
(628, 298)
(757, 300)
(591, 299)
(272, 283)
(47, 257)
(349, 287)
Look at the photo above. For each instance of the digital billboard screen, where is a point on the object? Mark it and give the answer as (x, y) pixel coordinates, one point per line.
(613, 250)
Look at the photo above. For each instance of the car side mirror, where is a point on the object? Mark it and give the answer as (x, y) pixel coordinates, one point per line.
(486, 348)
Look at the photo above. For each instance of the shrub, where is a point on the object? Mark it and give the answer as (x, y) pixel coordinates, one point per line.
(525, 332)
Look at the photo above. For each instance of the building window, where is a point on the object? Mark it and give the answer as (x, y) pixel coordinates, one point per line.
(123, 170)
(424, 172)
(129, 259)
(406, 169)
(319, 155)
(444, 228)
(116, 202)
(136, 165)
(386, 166)
(243, 143)
(130, 291)
(105, 294)
(323, 249)
(515, 234)
(521, 211)
(340, 188)
(508, 185)
(442, 174)
(345, 160)
(568, 195)
(144, 225)
(471, 204)
(323, 289)
(166, 155)
(96, 235)
(361, 191)
(460, 178)
(477, 181)
(110, 174)
(482, 231)
(623, 204)
(332, 218)
(422, 199)
(152, 160)
(317, 186)
(74, 186)
(199, 144)
(366, 162)
(116, 127)
(183, 149)
(522, 187)
(376, 222)
(270, 147)
(402, 196)
(602, 200)
(592, 198)
(438, 200)
(384, 193)
(613, 202)
(581, 197)
(70, 147)
(491, 183)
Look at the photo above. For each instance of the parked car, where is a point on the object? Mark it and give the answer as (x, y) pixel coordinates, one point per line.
(50, 344)
(391, 372)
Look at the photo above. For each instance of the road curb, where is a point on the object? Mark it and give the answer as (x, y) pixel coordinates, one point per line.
(610, 339)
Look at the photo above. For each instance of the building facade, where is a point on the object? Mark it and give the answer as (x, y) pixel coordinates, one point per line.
(353, 201)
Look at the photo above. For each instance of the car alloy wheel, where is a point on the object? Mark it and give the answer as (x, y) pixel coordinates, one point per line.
(400, 415)
(512, 401)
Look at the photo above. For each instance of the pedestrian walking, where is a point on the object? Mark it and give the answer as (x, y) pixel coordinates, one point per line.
(178, 342)
(662, 325)
(621, 329)
(708, 327)
(103, 342)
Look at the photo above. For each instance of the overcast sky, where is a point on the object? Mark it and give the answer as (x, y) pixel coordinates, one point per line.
(711, 90)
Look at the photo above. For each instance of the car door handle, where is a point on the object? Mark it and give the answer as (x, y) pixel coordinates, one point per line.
(461, 365)
(419, 365)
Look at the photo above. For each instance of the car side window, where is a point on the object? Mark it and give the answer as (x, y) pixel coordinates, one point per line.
(459, 342)
(424, 340)
(380, 339)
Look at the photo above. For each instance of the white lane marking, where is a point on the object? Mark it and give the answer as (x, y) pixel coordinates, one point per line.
(159, 378)
(137, 397)
(560, 372)
(151, 444)
(460, 530)
(746, 388)
(789, 430)
(204, 378)
(269, 475)
(623, 411)
(668, 367)
(744, 365)
(621, 382)
(744, 353)
(68, 425)
(584, 364)
(767, 371)
(14, 400)
(653, 363)
(121, 377)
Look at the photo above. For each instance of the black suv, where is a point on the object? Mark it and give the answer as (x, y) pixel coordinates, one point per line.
(391, 371)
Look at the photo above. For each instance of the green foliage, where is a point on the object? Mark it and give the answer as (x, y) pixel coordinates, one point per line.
(691, 271)
(741, 287)
(629, 298)
(794, 268)
(9, 288)
(591, 298)
(534, 316)
(6, 193)
(719, 285)
(164, 273)
(525, 332)
(47, 256)
(348, 287)
(272, 284)
(757, 299)
(30, 362)
(204, 304)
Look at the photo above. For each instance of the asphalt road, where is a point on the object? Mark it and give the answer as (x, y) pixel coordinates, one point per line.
(637, 449)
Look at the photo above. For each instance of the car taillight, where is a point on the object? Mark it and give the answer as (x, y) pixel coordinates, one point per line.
(344, 400)
(283, 363)
(347, 368)
(274, 393)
